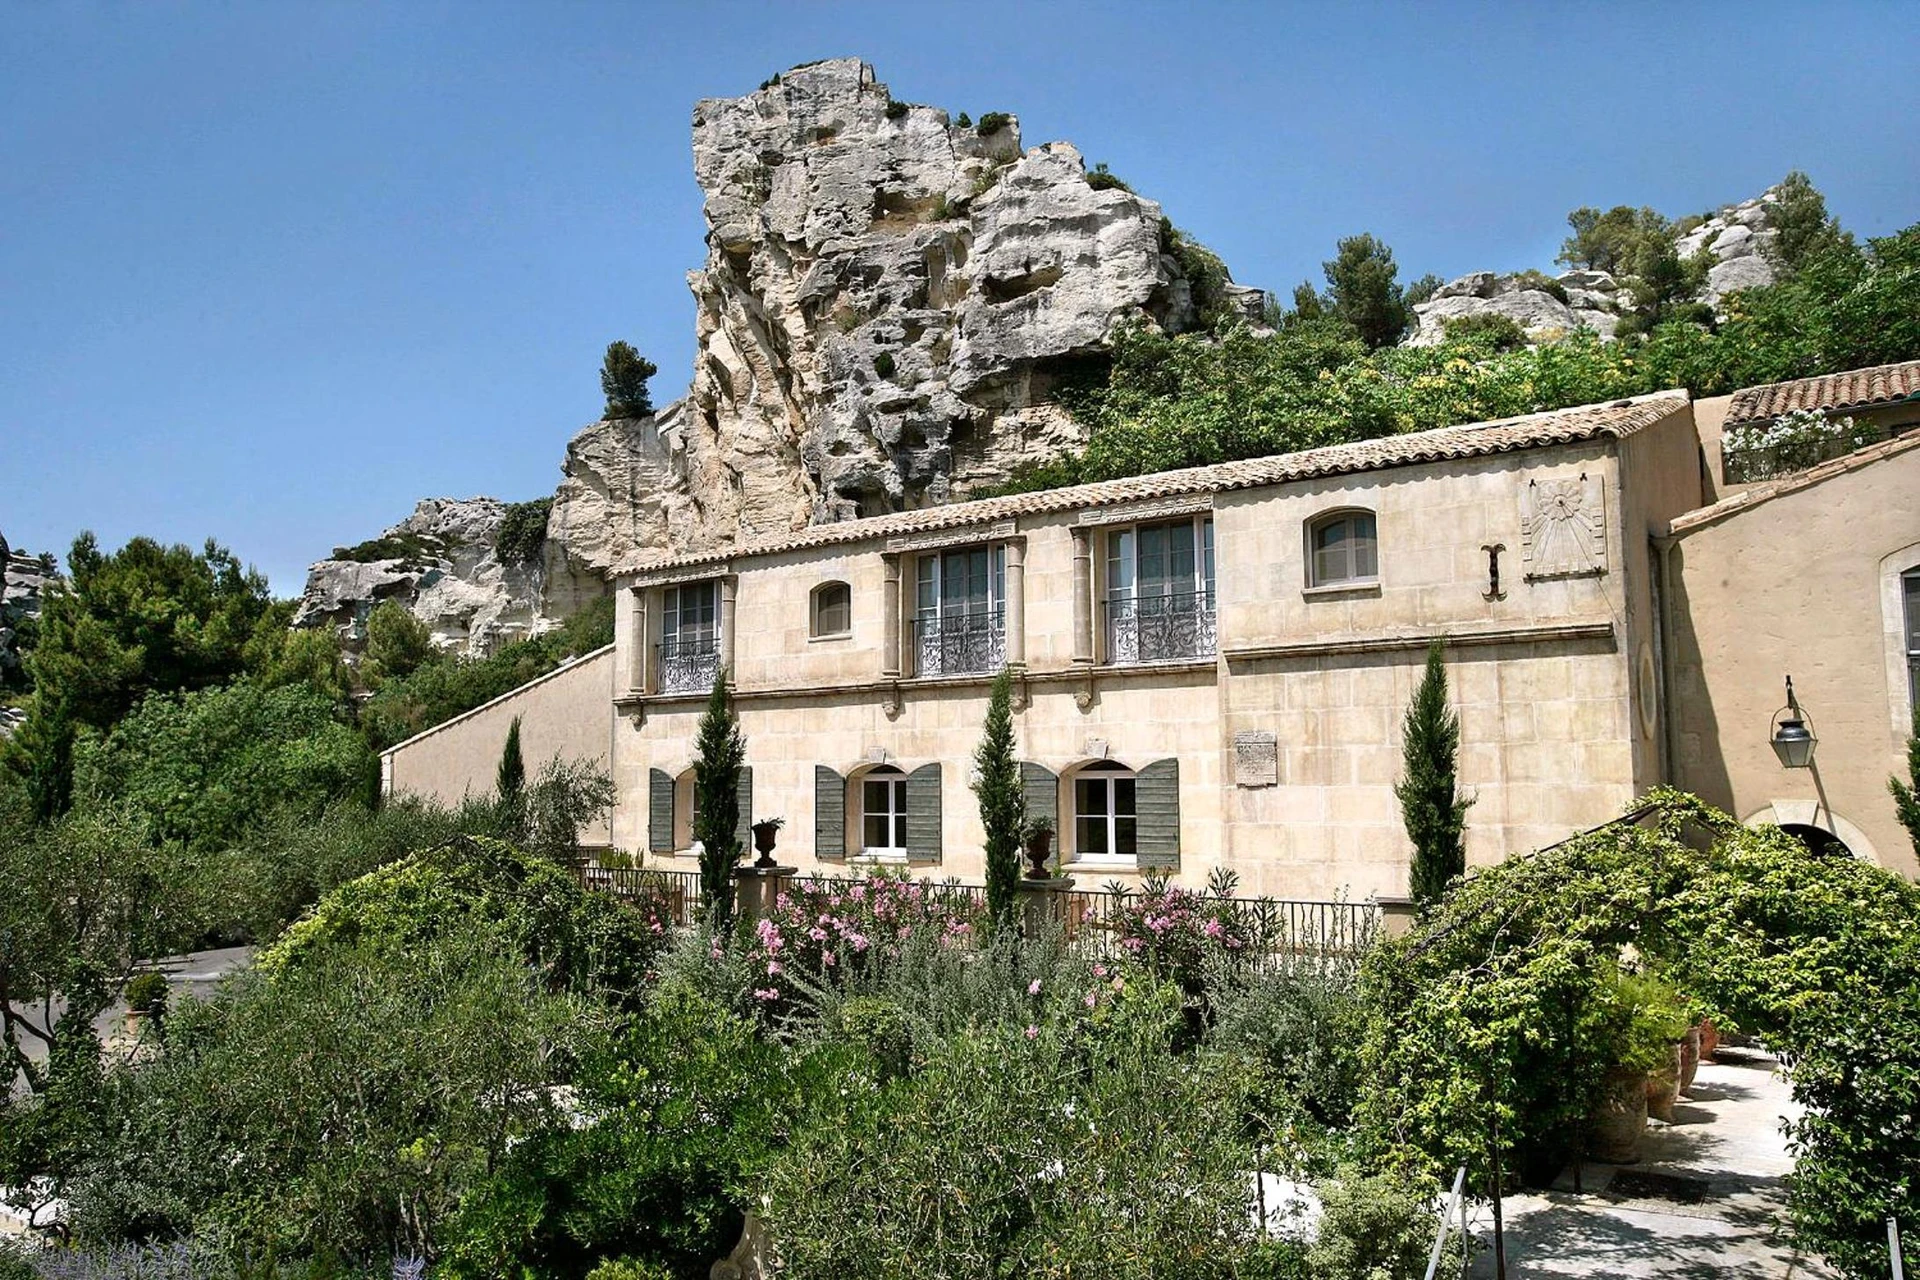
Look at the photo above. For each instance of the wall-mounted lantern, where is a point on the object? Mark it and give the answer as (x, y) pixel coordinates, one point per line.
(1793, 739)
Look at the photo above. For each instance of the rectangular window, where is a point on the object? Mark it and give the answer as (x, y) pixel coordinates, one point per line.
(1160, 592)
(960, 610)
(883, 816)
(690, 636)
(1912, 584)
(1104, 825)
(1345, 549)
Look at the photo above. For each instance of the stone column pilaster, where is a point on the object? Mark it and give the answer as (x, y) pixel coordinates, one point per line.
(728, 586)
(890, 617)
(1083, 595)
(1016, 602)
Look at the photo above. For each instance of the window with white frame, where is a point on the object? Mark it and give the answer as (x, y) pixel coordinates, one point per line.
(883, 813)
(1342, 550)
(1159, 591)
(832, 610)
(690, 636)
(1104, 824)
(960, 610)
(1910, 583)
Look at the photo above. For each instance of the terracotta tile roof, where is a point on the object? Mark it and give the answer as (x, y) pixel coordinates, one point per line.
(1794, 483)
(1850, 390)
(1616, 420)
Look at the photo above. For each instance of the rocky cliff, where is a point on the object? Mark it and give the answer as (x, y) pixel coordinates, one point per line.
(1735, 240)
(889, 301)
(23, 581)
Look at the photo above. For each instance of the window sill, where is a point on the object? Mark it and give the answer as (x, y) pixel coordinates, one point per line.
(879, 858)
(830, 637)
(1104, 862)
(1369, 587)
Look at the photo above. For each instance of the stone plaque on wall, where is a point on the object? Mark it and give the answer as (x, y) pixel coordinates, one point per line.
(1256, 759)
(1563, 527)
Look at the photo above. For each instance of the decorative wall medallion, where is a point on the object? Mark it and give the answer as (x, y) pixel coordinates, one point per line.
(1256, 759)
(890, 704)
(876, 755)
(1095, 749)
(1563, 528)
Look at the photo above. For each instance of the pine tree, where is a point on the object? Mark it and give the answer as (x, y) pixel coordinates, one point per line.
(623, 377)
(721, 754)
(1363, 288)
(1434, 814)
(1002, 809)
(41, 753)
(1906, 795)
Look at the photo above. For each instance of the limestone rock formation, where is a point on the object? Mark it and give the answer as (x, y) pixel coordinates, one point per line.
(1738, 237)
(440, 561)
(1542, 315)
(23, 581)
(888, 304)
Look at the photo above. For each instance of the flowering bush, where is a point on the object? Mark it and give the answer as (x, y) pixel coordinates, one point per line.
(1173, 930)
(1791, 442)
(819, 930)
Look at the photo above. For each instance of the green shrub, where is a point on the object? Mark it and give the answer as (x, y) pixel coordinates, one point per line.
(147, 994)
(398, 643)
(1541, 281)
(1101, 179)
(630, 1268)
(523, 531)
(896, 110)
(964, 122)
(1486, 329)
(883, 364)
(990, 123)
(1377, 1228)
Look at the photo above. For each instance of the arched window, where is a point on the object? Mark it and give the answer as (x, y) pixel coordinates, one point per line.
(832, 610)
(1342, 549)
(883, 812)
(1104, 822)
(1910, 599)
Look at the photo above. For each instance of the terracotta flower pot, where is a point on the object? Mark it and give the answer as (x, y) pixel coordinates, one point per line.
(1621, 1117)
(1689, 1058)
(1663, 1087)
(1709, 1039)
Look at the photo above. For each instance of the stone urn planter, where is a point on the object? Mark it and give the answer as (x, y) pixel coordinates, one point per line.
(1689, 1058)
(1709, 1039)
(1043, 904)
(1663, 1087)
(1621, 1117)
(1039, 843)
(766, 833)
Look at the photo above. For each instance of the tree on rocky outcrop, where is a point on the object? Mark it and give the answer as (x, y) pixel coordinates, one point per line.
(624, 374)
(398, 643)
(1906, 795)
(40, 754)
(1363, 289)
(1613, 240)
(1002, 807)
(1803, 227)
(720, 752)
(1430, 805)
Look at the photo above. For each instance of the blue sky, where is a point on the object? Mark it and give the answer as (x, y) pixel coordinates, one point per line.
(269, 273)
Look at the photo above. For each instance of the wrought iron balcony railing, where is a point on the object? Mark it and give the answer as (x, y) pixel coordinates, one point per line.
(1160, 628)
(689, 663)
(961, 642)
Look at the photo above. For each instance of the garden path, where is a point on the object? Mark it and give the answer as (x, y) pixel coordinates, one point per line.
(1707, 1198)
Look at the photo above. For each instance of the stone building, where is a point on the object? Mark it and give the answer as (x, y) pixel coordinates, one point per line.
(1212, 664)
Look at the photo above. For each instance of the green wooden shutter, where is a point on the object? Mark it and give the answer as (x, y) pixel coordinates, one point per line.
(923, 814)
(829, 813)
(743, 791)
(1041, 786)
(1156, 804)
(659, 811)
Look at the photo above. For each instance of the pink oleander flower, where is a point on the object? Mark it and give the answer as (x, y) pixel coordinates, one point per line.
(858, 893)
(1212, 929)
(1093, 998)
(827, 958)
(1099, 971)
(1033, 988)
(817, 934)
(773, 967)
(1119, 983)
(1033, 1032)
(766, 993)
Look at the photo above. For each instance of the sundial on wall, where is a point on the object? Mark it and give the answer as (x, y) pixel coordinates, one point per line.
(1563, 527)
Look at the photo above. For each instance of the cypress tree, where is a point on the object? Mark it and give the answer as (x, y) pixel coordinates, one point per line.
(510, 787)
(997, 784)
(1435, 816)
(1906, 795)
(722, 752)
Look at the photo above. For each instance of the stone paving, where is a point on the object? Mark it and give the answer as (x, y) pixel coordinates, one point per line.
(1706, 1199)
